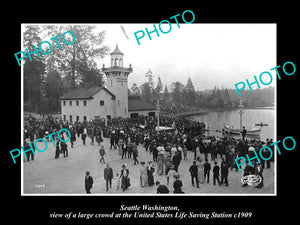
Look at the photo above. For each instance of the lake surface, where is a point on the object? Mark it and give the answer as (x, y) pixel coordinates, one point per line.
(216, 120)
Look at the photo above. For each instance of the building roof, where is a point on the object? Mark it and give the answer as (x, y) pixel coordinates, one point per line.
(139, 105)
(116, 51)
(83, 93)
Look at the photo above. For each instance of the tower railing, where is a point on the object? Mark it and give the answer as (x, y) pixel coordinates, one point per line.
(116, 68)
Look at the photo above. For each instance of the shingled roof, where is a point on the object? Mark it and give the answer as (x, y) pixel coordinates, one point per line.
(138, 105)
(83, 93)
(117, 51)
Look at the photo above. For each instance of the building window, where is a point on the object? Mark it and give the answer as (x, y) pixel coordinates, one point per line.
(77, 118)
(70, 103)
(84, 103)
(71, 119)
(64, 116)
(101, 102)
(77, 103)
(64, 102)
(84, 118)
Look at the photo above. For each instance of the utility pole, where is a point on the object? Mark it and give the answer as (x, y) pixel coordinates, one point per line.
(158, 109)
(241, 106)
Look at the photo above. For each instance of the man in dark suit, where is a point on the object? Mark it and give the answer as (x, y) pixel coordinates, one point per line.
(124, 148)
(244, 132)
(108, 175)
(224, 174)
(176, 160)
(207, 169)
(88, 182)
(216, 173)
(161, 189)
(194, 173)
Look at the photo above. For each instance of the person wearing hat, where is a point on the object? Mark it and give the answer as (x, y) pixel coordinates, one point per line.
(88, 182)
(160, 162)
(150, 171)
(161, 188)
(102, 153)
(125, 181)
(108, 175)
(135, 154)
(194, 174)
(171, 176)
(143, 174)
(177, 185)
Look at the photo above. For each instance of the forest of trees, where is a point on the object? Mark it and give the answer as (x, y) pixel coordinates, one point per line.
(47, 77)
(215, 98)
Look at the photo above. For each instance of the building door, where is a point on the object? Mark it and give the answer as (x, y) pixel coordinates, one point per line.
(151, 114)
(134, 115)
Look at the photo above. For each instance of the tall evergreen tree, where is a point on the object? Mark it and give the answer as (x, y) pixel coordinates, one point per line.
(166, 93)
(190, 92)
(77, 62)
(146, 91)
(34, 69)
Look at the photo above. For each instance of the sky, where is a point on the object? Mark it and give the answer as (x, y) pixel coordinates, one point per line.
(211, 54)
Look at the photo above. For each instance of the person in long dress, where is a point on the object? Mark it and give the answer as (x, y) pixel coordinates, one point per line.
(200, 165)
(143, 174)
(171, 176)
(57, 150)
(150, 171)
(197, 152)
(124, 177)
(160, 163)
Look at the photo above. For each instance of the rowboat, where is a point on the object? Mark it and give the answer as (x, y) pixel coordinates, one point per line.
(253, 131)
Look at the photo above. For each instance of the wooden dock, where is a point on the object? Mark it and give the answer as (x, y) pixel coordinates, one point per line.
(191, 113)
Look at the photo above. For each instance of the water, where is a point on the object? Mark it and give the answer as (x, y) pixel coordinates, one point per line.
(217, 120)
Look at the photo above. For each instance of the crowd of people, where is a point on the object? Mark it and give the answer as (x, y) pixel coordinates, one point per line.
(168, 148)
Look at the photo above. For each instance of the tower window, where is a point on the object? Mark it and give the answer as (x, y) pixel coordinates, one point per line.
(101, 102)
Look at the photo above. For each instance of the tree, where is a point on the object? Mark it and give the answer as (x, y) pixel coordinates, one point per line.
(190, 92)
(150, 76)
(227, 102)
(53, 89)
(166, 93)
(159, 85)
(77, 62)
(146, 91)
(34, 70)
(134, 90)
(177, 88)
(156, 92)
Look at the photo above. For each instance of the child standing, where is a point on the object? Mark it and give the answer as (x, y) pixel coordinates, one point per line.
(117, 181)
(102, 153)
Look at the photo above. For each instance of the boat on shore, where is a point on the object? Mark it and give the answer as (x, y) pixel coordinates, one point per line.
(251, 132)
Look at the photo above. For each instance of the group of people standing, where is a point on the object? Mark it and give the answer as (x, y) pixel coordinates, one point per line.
(167, 147)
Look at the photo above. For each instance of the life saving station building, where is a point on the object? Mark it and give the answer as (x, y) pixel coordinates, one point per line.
(111, 101)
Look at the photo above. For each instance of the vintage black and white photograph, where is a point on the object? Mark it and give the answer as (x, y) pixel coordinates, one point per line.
(107, 113)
